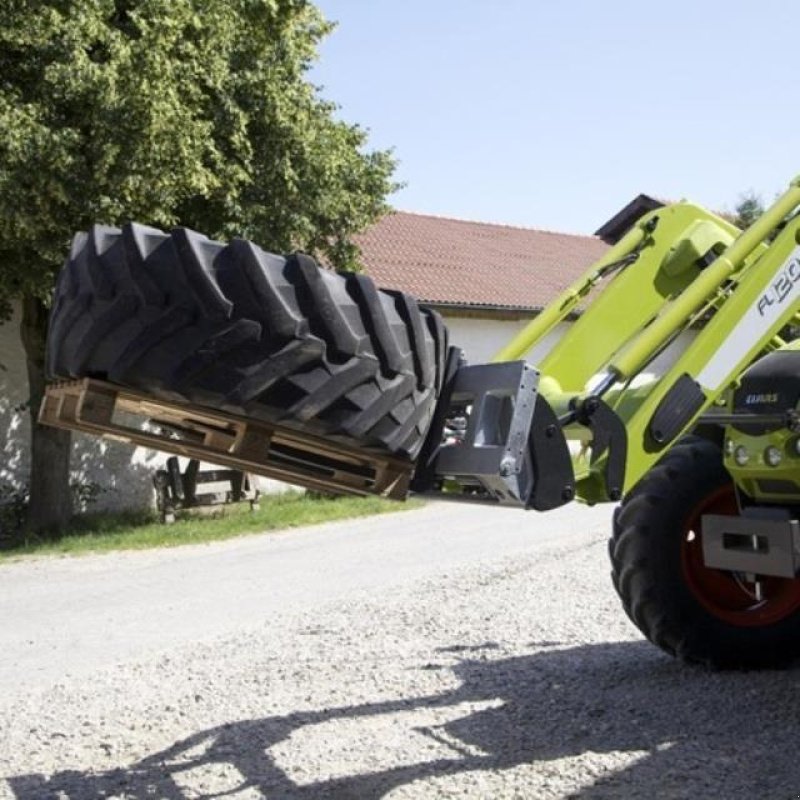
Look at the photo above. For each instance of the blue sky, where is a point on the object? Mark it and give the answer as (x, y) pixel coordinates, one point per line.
(555, 114)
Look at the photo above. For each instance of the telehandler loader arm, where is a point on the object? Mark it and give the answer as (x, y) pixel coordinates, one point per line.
(683, 284)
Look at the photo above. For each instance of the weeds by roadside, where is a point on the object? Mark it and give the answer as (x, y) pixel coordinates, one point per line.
(102, 532)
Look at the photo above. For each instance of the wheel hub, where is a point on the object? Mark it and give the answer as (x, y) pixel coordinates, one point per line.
(738, 598)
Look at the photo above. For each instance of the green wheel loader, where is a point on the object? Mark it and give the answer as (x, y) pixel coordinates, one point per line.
(674, 394)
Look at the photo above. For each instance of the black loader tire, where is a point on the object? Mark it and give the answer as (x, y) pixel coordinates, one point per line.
(700, 615)
(236, 328)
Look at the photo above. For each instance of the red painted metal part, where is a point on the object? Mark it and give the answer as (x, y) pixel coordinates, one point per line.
(726, 595)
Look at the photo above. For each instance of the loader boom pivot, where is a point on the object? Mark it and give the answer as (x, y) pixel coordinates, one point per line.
(673, 314)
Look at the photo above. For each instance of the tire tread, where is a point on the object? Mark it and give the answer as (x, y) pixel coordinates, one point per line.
(231, 326)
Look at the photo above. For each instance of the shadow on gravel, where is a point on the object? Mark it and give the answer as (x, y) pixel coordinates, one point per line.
(678, 733)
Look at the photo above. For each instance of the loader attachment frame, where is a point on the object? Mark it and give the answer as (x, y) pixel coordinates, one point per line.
(512, 450)
(687, 302)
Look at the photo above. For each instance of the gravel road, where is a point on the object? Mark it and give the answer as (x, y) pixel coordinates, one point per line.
(452, 651)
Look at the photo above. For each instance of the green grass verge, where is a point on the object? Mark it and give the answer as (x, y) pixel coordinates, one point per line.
(93, 533)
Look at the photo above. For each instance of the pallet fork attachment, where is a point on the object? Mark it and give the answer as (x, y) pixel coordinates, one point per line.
(512, 452)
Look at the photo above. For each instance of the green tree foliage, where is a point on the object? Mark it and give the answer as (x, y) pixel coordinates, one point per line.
(191, 112)
(749, 208)
(170, 112)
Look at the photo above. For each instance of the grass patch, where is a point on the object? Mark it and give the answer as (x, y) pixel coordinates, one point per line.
(93, 533)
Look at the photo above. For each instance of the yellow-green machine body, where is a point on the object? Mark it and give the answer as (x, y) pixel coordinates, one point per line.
(687, 284)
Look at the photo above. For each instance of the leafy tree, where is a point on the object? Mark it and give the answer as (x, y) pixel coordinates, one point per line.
(749, 208)
(169, 112)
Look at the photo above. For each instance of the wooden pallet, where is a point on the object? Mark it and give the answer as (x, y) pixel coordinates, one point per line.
(218, 437)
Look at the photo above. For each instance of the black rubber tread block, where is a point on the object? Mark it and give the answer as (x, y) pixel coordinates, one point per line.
(403, 410)
(69, 305)
(412, 445)
(79, 333)
(115, 298)
(95, 328)
(186, 356)
(420, 339)
(415, 439)
(399, 437)
(66, 285)
(215, 349)
(342, 379)
(304, 382)
(138, 243)
(439, 335)
(98, 276)
(163, 267)
(399, 328)
(77, 248)
(61, 323)
(385, 399)
(146, 341)
(259, 379)
(254, 280)
(394, 358)
(348, 308)
(159, 365)
(387, 428)
(108, 352)
(197, 254)
(81, 325)
(332, 324)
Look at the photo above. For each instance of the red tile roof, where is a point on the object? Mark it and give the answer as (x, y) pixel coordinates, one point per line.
(456, 262)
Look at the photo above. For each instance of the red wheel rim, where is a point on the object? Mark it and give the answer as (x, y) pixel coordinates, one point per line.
(727, 595)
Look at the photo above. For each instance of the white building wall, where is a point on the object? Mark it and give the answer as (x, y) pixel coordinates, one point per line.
(123, 473)
(480, 339)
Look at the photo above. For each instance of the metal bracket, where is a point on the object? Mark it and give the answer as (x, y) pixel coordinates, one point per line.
(513, 449)
(608, 435)
(498, 401)
(554, 478)
(177, 490)
(752, 544)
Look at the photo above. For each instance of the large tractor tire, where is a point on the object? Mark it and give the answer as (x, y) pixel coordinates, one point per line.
(238, 329)
(701, 615)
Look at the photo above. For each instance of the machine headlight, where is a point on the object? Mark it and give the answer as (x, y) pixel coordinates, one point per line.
(741, 456)
(773, 456)
(730, 447)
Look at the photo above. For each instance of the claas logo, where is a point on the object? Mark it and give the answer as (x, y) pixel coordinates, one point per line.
(752, 399)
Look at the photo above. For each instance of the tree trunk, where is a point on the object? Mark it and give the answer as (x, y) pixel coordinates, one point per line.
(50, 505)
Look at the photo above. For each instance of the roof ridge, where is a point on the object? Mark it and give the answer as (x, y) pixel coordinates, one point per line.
(492, 224)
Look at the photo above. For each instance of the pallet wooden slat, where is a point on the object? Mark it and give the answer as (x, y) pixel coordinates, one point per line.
(242, 443)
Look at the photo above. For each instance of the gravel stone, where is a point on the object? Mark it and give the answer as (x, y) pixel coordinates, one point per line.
(516, 675)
